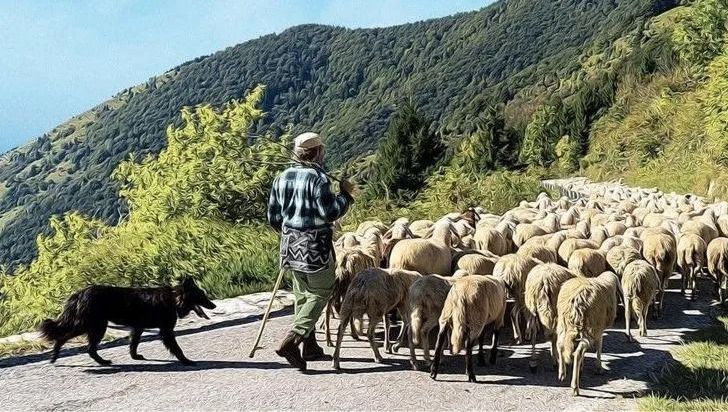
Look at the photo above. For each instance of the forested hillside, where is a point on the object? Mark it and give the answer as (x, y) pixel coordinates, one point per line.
(344, 83)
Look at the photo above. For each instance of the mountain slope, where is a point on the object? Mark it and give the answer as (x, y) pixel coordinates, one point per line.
(341, 82)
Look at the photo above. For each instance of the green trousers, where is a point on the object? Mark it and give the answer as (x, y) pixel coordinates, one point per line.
(312, 292)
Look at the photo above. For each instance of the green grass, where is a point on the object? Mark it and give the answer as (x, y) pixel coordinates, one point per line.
(699, 378)
(15, 349)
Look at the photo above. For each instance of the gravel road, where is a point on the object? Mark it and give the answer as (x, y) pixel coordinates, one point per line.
(225, 378)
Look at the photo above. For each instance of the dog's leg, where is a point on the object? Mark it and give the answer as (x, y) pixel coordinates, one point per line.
(135, 336)
(95, 334)
(57, 348)
(171, 344)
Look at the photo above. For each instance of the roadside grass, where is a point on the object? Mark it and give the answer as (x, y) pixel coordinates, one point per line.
(698, 381)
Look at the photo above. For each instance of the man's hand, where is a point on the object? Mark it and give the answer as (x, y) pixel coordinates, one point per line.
(346, 186)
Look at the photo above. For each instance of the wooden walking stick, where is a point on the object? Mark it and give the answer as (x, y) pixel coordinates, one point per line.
(267, 313)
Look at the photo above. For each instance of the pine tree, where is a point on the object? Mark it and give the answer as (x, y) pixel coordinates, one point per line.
(406, 154)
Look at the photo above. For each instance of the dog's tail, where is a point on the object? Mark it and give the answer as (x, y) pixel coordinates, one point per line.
(70, 323)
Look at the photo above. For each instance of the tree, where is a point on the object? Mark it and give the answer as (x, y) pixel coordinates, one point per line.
(406, 155)
(541, 135)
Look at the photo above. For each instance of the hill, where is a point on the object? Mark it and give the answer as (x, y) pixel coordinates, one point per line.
(341, 82)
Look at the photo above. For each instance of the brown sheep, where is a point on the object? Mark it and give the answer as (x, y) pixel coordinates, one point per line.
(472, 303)
(375, 292)
(426, 298)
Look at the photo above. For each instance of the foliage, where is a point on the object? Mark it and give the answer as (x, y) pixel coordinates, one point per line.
(491, 144)
(700, 36)
(341, 82)
(541, 135)
(454, 189)
(698, 380)
(567, 152)
(407, 153)
(185, 207)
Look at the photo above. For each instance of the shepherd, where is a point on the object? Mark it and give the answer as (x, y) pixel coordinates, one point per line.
(302, 207)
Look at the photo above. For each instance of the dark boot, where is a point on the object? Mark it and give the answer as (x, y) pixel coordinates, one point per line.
(289, 350)
(311, 349)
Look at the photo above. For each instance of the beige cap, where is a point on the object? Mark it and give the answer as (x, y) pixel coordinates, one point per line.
(307, 140)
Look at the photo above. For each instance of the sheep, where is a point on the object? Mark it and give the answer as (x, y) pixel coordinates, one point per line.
(568, 247)
(513, 270)
(369, 224)
(717, 256)
(722, 224)
(426, 298)
(611, 242)
(599, 234)
(375, 292)
(541, 292)
(615, 228)
(633, 242)
(587, 262)
(537, 251)
(475, 263)
(421, 228)
(472, 303)
(691, 255)
(347, 240)
(660, 250)
(525, 231)
(427, 256)
(348, 264)
(491, 240)
(620, 256)
(640, 284)
(585, 307)
(399, 231)
(707, 232)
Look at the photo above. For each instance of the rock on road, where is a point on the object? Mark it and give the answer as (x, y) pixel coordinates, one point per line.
(225, 378)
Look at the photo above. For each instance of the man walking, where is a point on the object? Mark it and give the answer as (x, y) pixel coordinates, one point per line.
(302, 207)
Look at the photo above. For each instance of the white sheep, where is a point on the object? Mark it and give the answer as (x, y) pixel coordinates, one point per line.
(427, 256)
(717, 257)
(541, 293)
(640, 284)
(691, 257)
(472, 303)
(513, 270)
(586, 307)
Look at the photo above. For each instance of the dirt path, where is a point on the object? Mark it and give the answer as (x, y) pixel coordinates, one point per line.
(225, 378)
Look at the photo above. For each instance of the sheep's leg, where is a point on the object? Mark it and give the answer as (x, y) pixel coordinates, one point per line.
(662, 297)
(516, 324)
(425, 339)
(684, 279)
(554, 351)
(627, 317)
(413, 356)
(344, 320)
(439, 346)
(354, 329)
(494, 346)
(693, 283)
(370, 336)
(598, 343)
(559, 352)
(642, 321)
(327, 325)
(578, 363)
(481, 343)
(404, 330)
(533, 361)
(469, 357)
(387, 345)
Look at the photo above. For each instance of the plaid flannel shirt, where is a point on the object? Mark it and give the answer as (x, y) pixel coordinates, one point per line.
(301, 199)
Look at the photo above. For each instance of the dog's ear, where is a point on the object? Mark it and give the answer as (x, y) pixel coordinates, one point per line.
(189, 282)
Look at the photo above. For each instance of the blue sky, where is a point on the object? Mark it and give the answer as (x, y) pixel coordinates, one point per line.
(60, 58)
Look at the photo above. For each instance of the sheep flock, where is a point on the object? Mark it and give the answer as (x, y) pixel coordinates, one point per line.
(551, 270)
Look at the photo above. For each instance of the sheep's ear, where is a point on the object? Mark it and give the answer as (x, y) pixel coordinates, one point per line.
(387, 235)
